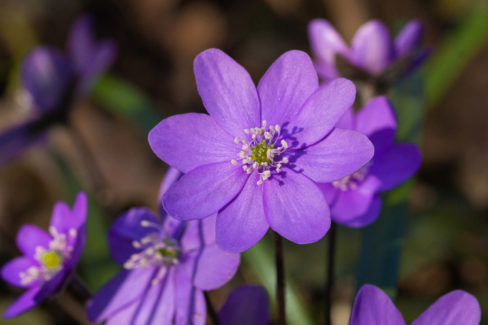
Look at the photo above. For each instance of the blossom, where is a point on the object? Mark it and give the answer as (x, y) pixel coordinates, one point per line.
(167, 263)
(49, 258)
(355, 199)
(53, 79)
(247, 304)
(373, 307)
(255, 160)
(373, 52)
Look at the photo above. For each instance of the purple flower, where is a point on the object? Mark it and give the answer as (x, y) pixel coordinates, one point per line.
(256, 158)
(373, 307)
(53, 80)
(246, 305)
(355, 200)
(49, 258)
(372, 52)
(167, 263)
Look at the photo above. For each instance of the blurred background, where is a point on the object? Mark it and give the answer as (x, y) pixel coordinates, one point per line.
(445, 238)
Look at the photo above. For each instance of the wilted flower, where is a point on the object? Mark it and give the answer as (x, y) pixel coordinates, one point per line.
(355, 199)
(373, 52)
(49, 258)
(167, 263)
(53, 80)
(246, 305)
(256, 158)
(373, 307)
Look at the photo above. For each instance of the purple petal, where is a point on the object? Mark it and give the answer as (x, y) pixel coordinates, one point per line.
(372, 47)
(348, 120)
(340, 154)
(409, 39)
(25, 302)
(456, 307)
(396, 165)
(45, 75)
(373, 307)
(347, 217)
(377, 121)
(204, 190)
(81, 43)
(350, 204)
(191, 140)
(29, 237)
(118, 293)
(199, 233)
(190, 302)
(246, 305)
(242, 223)
(322, 111)
(215, 267)
(54, 285)
(295, 208)
(128, 228)
(15, 140)
(171, 176)
(325, 43)
(11, 270)
(285, 87)
(78, 246)
(63, 219)
(227, 91)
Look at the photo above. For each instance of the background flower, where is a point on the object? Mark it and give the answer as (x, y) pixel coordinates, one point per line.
(246, 305)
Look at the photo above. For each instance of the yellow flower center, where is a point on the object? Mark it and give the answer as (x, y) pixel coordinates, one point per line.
(51, 259)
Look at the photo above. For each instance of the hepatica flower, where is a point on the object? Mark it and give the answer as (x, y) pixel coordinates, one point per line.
(355, 199)
(53, 80)
(256, 158)
(246, 305)
(373, 307)
(49, 257)
(373, 52)
(167, 263)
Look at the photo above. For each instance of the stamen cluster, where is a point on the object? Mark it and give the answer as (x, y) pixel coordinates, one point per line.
(351, 182)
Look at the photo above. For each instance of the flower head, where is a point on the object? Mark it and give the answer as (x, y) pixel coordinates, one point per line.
(247, 304)
(373, 52)
(255, 160)
(373, 307)
(167, 263)
(354, 199)
(49, 257)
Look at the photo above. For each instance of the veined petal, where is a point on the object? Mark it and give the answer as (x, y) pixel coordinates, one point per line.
(322, 111)
(29, 237)
(204, 190)
(11, 271)
(372, 47)
(242, 223)
(246, 305)
(25, 302)
(295, 208)
(285, 87)
(339, 154)
(198, 233)
(456, 307)
(190, 302)
(373, 307)
(410, 38)
(325, 41)
(227, 91)
(191, 140)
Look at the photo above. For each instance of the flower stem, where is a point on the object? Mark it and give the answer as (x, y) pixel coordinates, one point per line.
(80, 286)
(280, 279)
(210, 309)
(329, 284)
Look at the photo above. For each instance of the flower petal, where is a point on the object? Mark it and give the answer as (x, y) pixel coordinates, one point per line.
(53, 286)
(372, 47)
(190, 302)
(17, 139)
(80, 42)
(45, 75)
(246, 305)
(25, 302)
(350, 204)
(242, 223)
(118, 293)
(11, 270)
(285, 87)
(322, 111)
(373, 307)
(204, 190)
(456, 307)
(362, 219)
(410, 38)
(396, 165)
(227, 91)
(64, 219)
(191, 140)
(295, 208)
(198, 233)
(340, 154)
(29, 237)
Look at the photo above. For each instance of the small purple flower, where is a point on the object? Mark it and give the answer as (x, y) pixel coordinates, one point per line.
(49, 258)
(256, 158)
(355, 199)
(373, 307)
(372, 50)
(246, 305)
(53, 80)
(167, 263)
